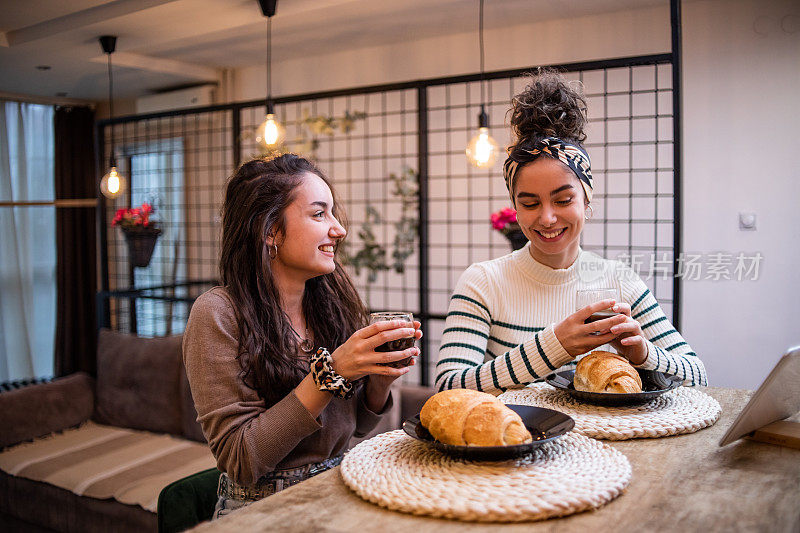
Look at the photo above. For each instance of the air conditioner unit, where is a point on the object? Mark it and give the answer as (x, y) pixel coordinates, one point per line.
(202, 95)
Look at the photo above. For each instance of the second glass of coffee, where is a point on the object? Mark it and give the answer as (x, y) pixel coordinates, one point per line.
(397, 345)
(586, 297)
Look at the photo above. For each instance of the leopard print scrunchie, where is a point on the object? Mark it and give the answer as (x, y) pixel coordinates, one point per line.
(326, 378)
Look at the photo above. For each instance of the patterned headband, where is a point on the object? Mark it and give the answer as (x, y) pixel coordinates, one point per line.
(570, 154)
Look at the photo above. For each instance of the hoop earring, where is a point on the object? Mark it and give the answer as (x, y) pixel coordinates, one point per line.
(590, 212)
(269, 251)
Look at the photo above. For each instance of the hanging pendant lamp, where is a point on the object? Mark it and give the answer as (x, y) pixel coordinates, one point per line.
(271, 133)
(113, 183)
(482, 149)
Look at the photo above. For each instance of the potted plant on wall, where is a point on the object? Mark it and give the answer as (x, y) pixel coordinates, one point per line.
(141, 232)
(505, 221)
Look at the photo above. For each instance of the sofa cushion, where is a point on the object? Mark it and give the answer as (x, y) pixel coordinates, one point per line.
(35, 507)
(138, 382)
(41, 409)
(105, 462)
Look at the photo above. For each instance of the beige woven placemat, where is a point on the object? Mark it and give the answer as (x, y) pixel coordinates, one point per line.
(566, 476)
(681, 410)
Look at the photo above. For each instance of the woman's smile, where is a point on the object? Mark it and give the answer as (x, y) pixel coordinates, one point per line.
(550, 235)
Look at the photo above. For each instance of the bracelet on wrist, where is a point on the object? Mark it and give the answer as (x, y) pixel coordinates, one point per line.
(326, 378)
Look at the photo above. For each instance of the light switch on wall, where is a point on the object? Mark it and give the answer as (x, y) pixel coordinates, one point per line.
(747, 221)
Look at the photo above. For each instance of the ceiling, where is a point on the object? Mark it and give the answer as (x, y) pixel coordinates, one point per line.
(169, 43)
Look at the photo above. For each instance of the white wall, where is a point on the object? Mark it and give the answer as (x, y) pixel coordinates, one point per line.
(740, 154)
(644, 31)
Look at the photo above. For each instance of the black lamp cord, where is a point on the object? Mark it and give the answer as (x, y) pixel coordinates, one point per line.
(269, 65)
(480, 26)
(483, 118)
(111, 159)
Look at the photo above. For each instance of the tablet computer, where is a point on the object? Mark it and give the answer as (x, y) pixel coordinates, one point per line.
(777, 398)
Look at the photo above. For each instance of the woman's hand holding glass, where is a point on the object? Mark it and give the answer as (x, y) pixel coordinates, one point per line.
(630, 341)
(357, 357)
(577, 337)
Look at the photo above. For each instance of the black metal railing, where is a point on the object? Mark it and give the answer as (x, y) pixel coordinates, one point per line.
(424, 124)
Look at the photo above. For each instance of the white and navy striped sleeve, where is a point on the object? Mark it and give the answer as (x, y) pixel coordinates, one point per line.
(467, 330)
(667, 350)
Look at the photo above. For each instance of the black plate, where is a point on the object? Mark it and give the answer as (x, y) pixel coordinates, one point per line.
(654, 384)
(544, 424)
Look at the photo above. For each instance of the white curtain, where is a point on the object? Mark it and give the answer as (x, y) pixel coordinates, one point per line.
(27, 242)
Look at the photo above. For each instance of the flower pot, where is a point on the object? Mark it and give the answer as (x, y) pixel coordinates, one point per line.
(141, 245)
(517, 239)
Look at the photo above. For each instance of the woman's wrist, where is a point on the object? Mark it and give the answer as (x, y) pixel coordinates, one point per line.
(313, 399)
(638, 353)
(376, 392)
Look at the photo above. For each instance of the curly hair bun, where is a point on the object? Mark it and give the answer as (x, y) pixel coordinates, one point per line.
(548, 107)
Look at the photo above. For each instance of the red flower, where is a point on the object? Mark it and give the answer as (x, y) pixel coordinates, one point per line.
(128, 218)
(509, 214)
(505, 221)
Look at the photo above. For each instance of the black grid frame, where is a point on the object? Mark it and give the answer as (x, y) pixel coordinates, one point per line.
(425, 125)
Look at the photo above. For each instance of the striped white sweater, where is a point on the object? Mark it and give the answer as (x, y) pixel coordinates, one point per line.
(499, 329)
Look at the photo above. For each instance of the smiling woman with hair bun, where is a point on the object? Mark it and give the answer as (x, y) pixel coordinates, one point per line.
(512, 320)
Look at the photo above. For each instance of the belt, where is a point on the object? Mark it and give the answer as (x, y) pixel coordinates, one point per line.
(273, 482)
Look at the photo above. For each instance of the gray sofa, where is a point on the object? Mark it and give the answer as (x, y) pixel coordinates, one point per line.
(140, 386)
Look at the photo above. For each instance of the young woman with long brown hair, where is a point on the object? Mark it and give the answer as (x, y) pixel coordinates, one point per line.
(282, 369)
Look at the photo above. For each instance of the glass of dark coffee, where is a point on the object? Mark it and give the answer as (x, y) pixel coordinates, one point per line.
(586, 297)
(400, 344)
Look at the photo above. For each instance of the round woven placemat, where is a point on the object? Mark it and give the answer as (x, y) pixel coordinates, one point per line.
(679, 411)
(566, 476)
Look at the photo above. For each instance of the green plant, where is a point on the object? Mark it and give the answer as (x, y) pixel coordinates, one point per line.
(406, 187)
(321, 124)
(311, 126)
(373, 256)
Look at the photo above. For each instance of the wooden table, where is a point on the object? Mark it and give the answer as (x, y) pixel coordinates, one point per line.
(681, 483)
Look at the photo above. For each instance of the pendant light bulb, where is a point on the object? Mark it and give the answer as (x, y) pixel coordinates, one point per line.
(112, 184)
(271, 133)
(482, 149)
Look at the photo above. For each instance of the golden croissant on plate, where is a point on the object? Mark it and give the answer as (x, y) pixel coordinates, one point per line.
(466, 417)
(606, 372)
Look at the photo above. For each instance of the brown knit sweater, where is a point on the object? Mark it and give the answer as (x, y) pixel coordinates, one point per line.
(247, 438)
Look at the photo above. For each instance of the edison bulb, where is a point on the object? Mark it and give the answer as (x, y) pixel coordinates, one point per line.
(482, 149)
(271, 133)
(112, 184)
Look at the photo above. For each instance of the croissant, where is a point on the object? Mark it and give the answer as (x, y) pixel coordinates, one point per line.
(466, 417)
(606, 372)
